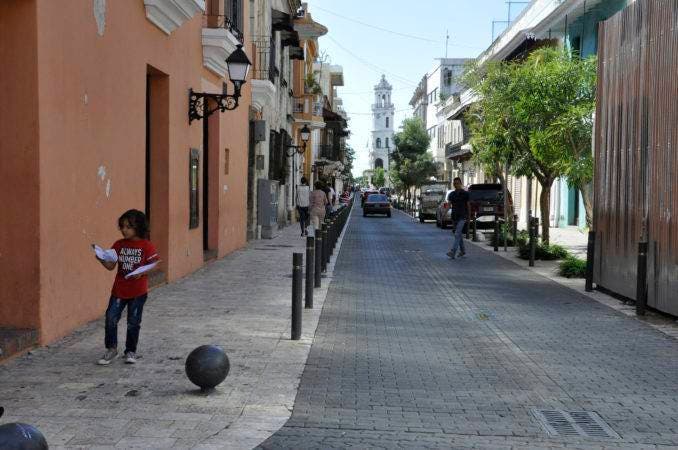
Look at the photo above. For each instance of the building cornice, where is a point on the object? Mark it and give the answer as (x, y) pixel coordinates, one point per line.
(168, 15)
(308, 28)
(263, 94)
(217, 45)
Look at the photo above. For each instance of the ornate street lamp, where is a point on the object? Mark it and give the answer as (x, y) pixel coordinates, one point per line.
(301, 149)
(238, 67)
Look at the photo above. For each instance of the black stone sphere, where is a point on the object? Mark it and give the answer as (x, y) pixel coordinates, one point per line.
(19, 436)
(207, 366)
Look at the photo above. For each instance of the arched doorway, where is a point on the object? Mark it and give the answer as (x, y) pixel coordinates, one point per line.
(378, 163)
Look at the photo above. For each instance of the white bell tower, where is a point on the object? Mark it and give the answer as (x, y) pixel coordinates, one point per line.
(383, 113)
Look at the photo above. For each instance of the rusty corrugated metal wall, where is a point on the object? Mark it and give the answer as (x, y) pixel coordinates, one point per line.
(636, 171)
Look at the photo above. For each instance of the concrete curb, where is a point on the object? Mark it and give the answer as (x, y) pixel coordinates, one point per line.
(260, 421)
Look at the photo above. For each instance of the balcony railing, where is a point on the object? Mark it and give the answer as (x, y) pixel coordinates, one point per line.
(306, 105)
(328, 151)
(264, 64)
(222, 21)
(456, 150)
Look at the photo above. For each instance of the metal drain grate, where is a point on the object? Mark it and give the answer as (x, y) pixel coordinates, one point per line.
(574, 423)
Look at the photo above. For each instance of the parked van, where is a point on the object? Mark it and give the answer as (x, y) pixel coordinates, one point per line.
(431, 195)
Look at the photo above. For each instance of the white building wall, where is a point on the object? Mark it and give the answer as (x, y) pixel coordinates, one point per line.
(437, 85)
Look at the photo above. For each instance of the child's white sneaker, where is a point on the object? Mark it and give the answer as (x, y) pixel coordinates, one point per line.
(130, 358)
(109, 356)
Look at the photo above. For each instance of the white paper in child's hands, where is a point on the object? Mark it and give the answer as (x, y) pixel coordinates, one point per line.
(105, 255)
(141, 270)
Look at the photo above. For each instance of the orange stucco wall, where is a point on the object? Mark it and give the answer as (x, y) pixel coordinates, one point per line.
(92, 141)
(19, 176)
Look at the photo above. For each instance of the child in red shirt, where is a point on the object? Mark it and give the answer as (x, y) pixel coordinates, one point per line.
(131, 291)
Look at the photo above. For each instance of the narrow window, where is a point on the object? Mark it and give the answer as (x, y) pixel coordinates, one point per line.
(193, 193)
(233, 11)
(226, 160)
(378, 142)
(386, 142)
(386, 122)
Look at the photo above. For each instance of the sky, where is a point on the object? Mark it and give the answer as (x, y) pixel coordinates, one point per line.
(365, 52)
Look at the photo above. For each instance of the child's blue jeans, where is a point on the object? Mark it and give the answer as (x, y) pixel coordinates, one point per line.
(135, 308)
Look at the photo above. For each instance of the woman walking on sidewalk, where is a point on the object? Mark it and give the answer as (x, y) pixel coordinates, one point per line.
(135, 256)
(317, 202)
(303, 194)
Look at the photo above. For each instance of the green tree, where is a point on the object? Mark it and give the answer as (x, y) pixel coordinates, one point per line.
(572, 131)
(349, 157)
(412, 165)
(379, 178)
(361, 181)
(535, 116)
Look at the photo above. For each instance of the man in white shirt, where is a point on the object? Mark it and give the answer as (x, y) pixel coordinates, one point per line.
(302, 201)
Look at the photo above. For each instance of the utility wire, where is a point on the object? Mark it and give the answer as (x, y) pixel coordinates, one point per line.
(376, 27)
(409, 36)
(374, 67)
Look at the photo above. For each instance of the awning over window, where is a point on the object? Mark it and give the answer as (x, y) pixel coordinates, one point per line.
(281, 21)
(289, 38)
(297, 53)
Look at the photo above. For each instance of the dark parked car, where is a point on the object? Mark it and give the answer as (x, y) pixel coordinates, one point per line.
(486, 200)
(366, 194)
(377, 204)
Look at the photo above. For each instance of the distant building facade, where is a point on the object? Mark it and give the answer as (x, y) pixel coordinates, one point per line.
(383, 112)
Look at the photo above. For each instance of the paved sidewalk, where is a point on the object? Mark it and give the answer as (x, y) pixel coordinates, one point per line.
(414, 350)
(241, 303)
(572, 238)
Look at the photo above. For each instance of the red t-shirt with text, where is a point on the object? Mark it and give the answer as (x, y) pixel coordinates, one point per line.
(132, 255)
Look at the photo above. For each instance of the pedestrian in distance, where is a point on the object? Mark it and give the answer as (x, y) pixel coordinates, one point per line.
(458, 200)
(317, 204)
(333, 197)
(328, 193)
(135, 257)
(303, 199)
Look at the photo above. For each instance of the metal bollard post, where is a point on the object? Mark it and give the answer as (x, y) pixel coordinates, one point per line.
(325, 255)
(505, 233)
(496, 233)
(641, 279)
(328, 244)
(335, 232)
(297, 273)
(310, 271)
(475, 228)
(590, 251)
(317, 270)
(534, 224)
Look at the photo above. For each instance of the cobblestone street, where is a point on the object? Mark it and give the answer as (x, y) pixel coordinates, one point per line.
(416, 350)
